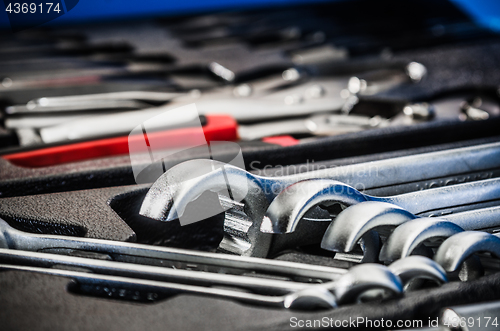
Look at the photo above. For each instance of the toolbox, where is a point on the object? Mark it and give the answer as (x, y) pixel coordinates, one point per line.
(301, 166)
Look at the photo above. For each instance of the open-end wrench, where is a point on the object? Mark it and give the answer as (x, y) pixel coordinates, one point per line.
(413, 267)
(177, 187)
(410, 235)
(346, 288)
(291, 204)
(459, 247)
(349, 288)
(150, 290)
(259, 285)
(354, 222)
(175, 258)
(163, 256)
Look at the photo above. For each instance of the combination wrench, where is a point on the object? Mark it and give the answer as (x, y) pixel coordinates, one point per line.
(169, 195)
(455, 250)
(356, 221)
(410, 235)
(348, 288)
(291, 204)
(163, 256)
(166, 257)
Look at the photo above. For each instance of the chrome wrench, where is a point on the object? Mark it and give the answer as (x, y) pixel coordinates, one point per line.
(346, 288)
(381, 176)
(291, 204)
(408, 236)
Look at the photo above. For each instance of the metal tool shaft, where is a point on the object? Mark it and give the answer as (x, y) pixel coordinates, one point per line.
(130, 270)
(146, 254)
(290, 206)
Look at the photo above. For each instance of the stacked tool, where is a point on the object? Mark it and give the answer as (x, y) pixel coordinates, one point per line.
(251, 166)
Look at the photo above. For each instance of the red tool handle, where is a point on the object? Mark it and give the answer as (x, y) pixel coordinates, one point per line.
(217, 128)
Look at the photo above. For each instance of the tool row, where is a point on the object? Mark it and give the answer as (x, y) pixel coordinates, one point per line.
(284, 205)
(463, 233)
(148, 273)
(262, 209)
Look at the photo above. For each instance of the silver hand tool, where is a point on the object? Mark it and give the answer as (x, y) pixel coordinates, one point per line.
(240, 110)
(240, 237)
(97, 126)
(205, 263)
(169, 195)
(319, 125)
(38, 122)
(370, 175)
(119, 100)
(77, 106)
(150, 290)
(315, 96)
(259, 285)
(424, 268)
(457, 248)
(174, 257)
(354, 222)
(116, 100)
(347, 288)
(410, 235)
(291, 204)
(113, 100)
(93, 127)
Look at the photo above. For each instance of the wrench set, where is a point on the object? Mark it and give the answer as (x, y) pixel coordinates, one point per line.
(369, 181)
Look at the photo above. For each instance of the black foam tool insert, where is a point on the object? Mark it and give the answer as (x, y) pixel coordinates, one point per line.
(80, 213)
(107, 213)
(203, 235)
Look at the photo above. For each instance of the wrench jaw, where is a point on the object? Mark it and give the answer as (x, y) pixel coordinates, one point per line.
(407, 237)
(417, 268)
(367, 282)
(169, 196)
(358, 220)
(286, 210)
(455, 250)
(159, 201)
(317, 298)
